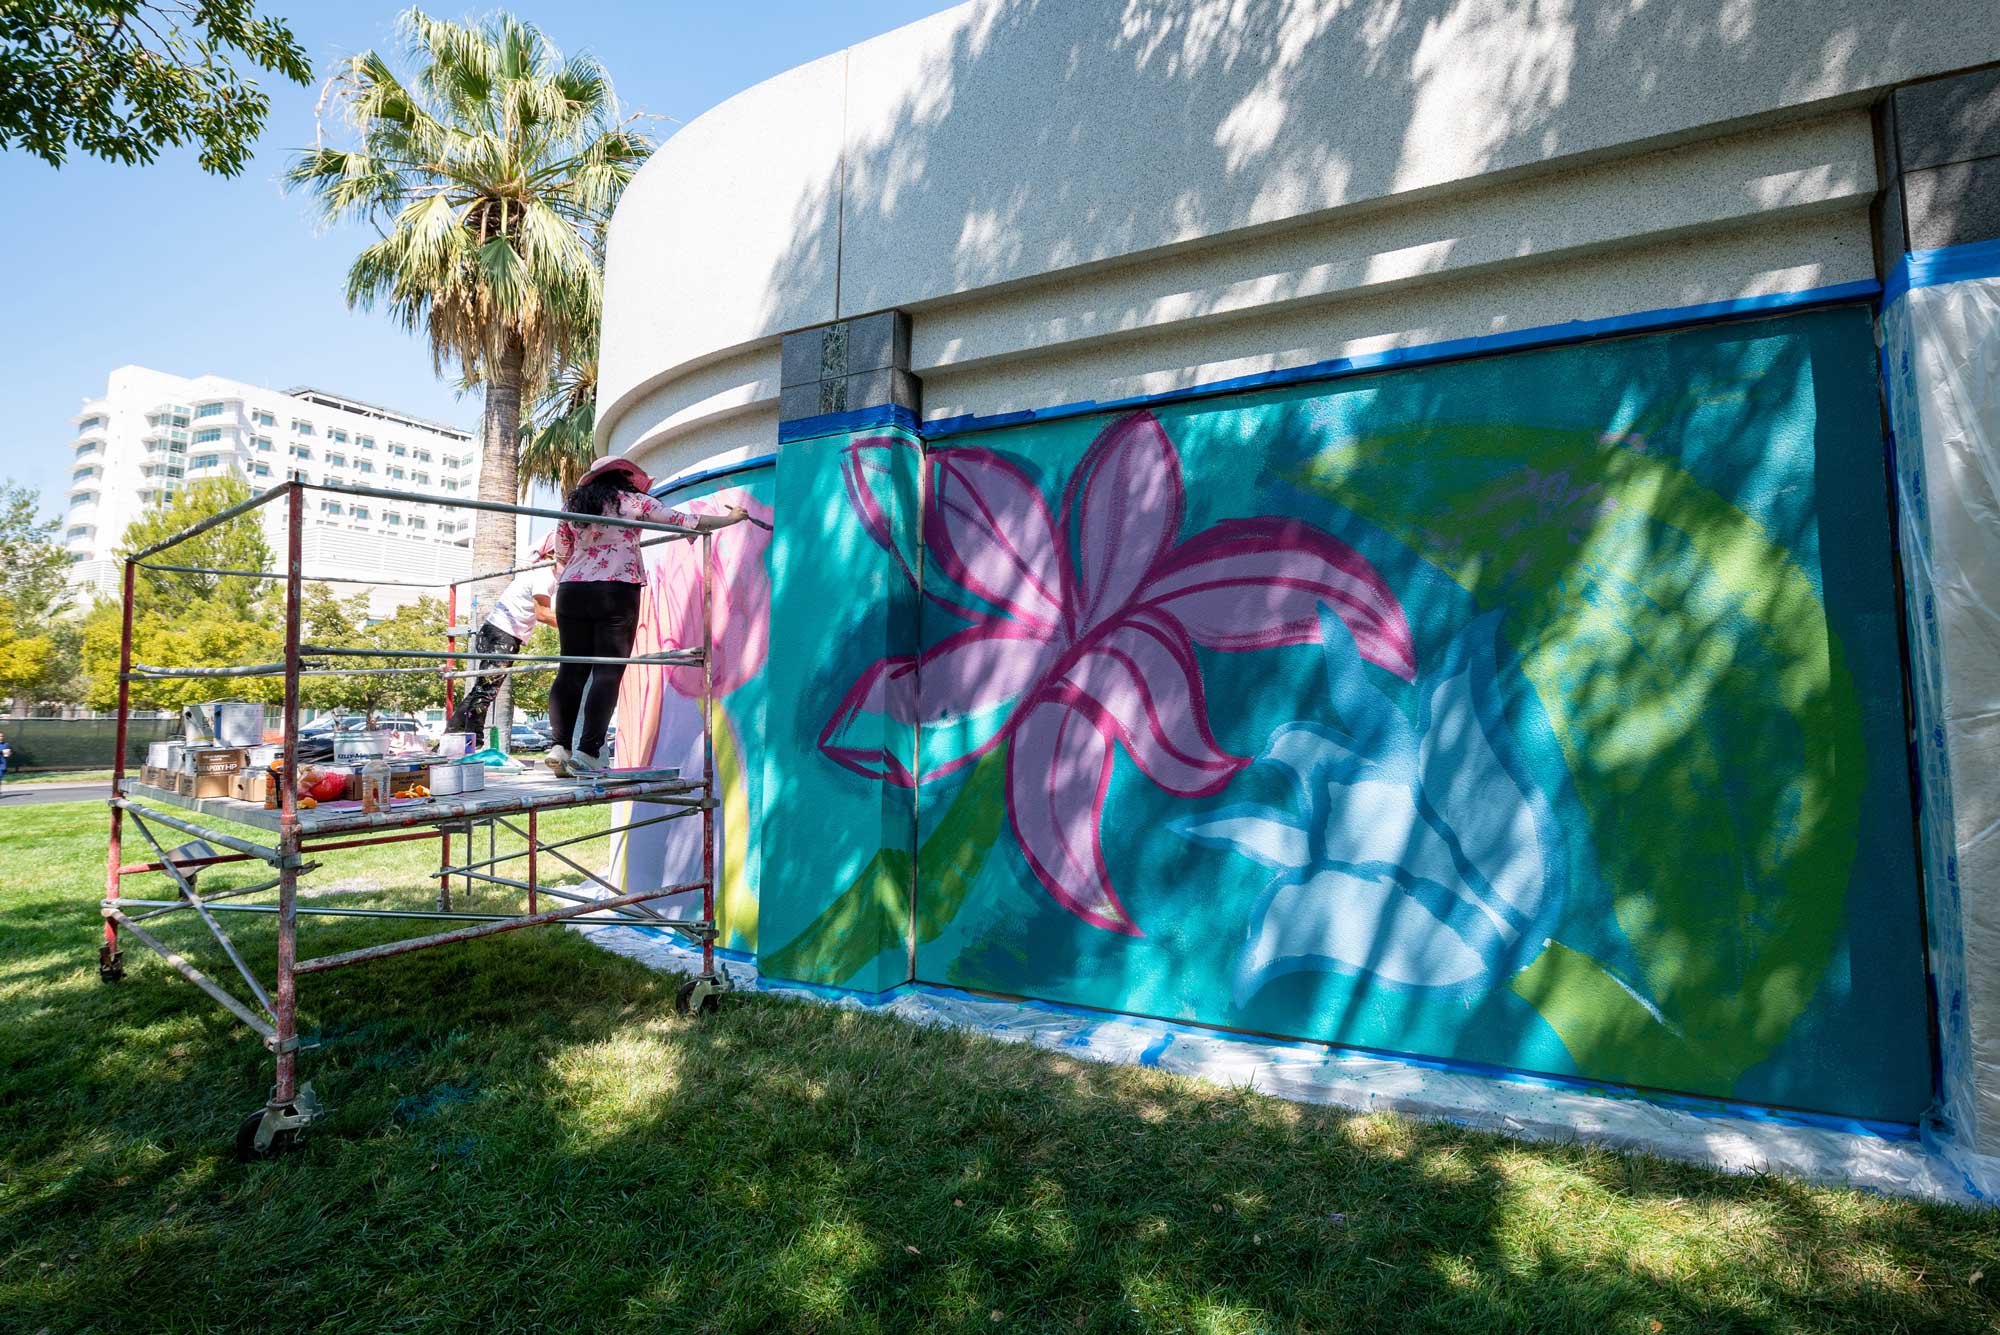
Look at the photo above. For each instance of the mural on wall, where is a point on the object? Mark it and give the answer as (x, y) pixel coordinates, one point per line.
(659, 716)
(1540, 711)
(1073, 648)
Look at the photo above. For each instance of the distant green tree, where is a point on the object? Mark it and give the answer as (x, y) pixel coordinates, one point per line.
(34, 569)
(417, 625)
(38, 634)
(326, 618)
(183, 620)
(121, 79)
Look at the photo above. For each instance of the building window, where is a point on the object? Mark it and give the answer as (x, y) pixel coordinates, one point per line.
(396, 473)
(297, 475)
(260, 469)
(400, 451)
(329, 507)
(89, 448)
(300, 451)
(451, 484)
(80, 531)
(208, 435)
(366, 465)
(419, 522)
(395, 520)
(336, 460)
(263, 418)
(301, 426)
(421, 479)
(336, 434)
(208, 410)
(205, 461)
(365, 442)
(262, 442)
(359, 512)
(89, 424)
(423, 456)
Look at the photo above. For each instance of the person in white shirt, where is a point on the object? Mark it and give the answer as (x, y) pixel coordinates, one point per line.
(528, 601)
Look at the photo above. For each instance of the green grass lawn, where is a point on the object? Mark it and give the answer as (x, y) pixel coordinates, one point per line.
(60, 776)
(526, 1138)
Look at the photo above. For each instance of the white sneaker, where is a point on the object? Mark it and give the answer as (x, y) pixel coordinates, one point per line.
(556, 757)
(583, 765)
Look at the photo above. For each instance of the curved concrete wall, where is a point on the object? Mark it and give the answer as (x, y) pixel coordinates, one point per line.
(1093, 199)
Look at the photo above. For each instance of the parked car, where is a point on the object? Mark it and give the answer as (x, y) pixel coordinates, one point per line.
(316, 737)
(525, 737)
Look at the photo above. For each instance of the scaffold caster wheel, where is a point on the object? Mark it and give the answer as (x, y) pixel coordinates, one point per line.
(698, 996)
(110, 965)
(276, 1128)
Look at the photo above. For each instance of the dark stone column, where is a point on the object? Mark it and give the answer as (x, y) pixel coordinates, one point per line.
(1939, 143)
(845, 367)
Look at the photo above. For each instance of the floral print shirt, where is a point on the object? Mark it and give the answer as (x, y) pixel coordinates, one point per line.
(601, 552)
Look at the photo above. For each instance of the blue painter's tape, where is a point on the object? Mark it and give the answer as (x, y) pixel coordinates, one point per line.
(858, 419)
(686, 480)
(1451, 350)
(1946, 264)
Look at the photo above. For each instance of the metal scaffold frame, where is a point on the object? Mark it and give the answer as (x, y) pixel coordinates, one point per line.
(272, 1012)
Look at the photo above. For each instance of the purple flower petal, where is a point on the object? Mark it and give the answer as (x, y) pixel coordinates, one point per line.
(1142, 676)
(991, 533)
(1057, 771)
(979, 669)
(1127, 502)
(1259, 583)
(873, 470)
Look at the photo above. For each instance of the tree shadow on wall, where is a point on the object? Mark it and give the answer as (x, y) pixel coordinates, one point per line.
(993, 159)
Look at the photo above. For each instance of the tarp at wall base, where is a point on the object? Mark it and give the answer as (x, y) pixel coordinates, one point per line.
(1312, 1073)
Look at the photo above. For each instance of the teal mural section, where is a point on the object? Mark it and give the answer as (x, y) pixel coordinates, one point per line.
(838, 860)
(1542, 711)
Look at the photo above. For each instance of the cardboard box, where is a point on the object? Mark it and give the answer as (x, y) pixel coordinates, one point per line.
(184, 784)
(249, 785)
(213, 785)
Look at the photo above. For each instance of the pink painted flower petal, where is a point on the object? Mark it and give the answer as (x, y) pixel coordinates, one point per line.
(880, 473)
(1127, 502)
(1057, 771)
(1258, 583)
(858, 735)
(979, 669)
(1142, 675)
(739, 594)
(990, 532)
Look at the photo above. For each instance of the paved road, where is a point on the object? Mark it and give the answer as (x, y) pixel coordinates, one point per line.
(34, 794)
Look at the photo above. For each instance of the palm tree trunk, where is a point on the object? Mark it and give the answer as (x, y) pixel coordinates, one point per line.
(493, 544)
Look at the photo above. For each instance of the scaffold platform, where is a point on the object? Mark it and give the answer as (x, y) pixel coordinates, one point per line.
(288, 837)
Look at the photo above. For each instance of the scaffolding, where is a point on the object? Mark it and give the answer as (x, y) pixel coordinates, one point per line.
(285, 839)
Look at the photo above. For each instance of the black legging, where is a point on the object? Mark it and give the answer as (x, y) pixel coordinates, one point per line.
(595, 618)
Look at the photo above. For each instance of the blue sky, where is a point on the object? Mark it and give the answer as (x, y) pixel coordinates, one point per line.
(167, 267)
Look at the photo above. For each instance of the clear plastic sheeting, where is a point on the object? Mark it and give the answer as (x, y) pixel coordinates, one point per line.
(1941, 358)
(1749, 1141)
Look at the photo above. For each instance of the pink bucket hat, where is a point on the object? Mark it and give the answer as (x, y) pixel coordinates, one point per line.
(616, 463)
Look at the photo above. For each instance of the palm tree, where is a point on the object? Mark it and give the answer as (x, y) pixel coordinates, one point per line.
(556, 444)
(489, 175)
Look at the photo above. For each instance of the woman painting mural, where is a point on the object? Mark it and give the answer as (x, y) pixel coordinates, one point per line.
(597, 603)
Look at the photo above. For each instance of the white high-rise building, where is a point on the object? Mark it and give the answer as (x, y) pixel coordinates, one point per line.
(152, 433)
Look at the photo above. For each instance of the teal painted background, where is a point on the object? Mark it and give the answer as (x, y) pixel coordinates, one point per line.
(1541, 710)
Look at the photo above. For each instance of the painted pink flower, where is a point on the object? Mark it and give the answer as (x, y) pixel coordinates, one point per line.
(670, 618)
(1083, 633)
